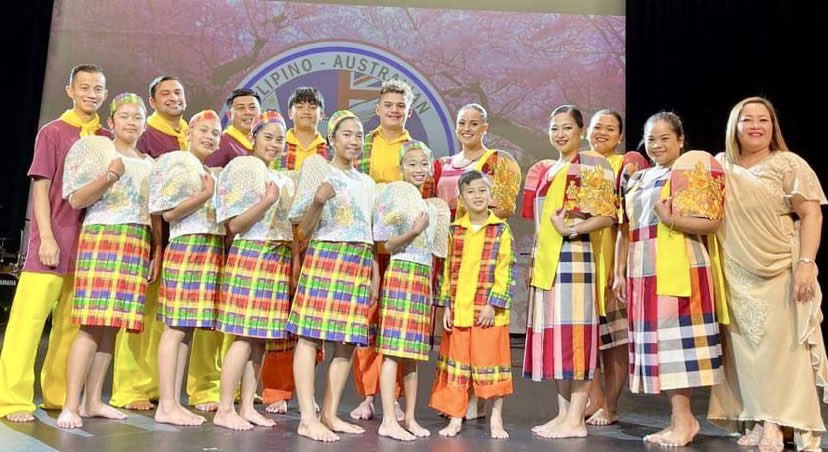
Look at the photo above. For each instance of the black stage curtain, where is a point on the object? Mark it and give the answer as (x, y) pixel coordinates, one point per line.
(26, 35)
(699, 57)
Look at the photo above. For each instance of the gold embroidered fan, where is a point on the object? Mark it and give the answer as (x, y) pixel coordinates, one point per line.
(697, 186)
(314, 172)
(175, 177)
(240, 185)
(87, 159)
(593, 192)
(505, 183)
(441, 230)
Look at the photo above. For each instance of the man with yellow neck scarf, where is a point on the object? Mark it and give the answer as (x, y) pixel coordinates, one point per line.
(242, 106)
(166, 128)
(46, 282)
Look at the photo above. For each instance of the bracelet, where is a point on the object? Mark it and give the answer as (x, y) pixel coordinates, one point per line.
(805, 260)
(573, 233)
(673, 223)
(117, 176)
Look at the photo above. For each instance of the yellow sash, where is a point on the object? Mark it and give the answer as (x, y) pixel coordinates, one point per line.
(87, 128)
(158, 123)
(550, 240)
(673, 265)
(239, 136)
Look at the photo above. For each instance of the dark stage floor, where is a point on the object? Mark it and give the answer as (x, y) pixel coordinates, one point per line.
(532, 404)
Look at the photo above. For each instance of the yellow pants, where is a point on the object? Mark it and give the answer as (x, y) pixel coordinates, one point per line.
(135, 377)
(37, 295)
(135, 373)
(206, 355)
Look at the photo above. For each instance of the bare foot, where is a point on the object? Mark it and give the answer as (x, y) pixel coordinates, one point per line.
(393, 430)
(177, 415)
(68, 419)
(548, 425)
(453, 428)
(752, 438)
(105, 411)
(592, 407)
(279, 407)
(416, 429)
(140, 405)
(496, 429)
(207, 407)
(256, 418)
(655, 438)
(316, 431)
(603, 417)
(476, 409)
(770, 445)
(565, 429)
(230, 419)
(681, 434)
(398, 412)
(339, 426)
(20, 416)
(363, 412)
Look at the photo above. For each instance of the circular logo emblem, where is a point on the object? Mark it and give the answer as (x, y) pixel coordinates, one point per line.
(350, 75)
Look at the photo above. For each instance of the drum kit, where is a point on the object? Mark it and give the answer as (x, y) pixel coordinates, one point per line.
(10, 266)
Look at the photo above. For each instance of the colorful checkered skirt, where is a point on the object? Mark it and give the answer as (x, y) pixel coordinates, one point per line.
(111, 276)
(405, 311)
(674, 341)
(562, 331)
(255, 290)
(613, 328)
(190, 281)
(334, 293)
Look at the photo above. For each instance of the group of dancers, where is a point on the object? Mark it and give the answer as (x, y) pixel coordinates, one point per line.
(242, 251)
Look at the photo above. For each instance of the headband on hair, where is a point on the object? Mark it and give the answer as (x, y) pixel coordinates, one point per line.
(123, 99)
(337, 118)
(414, 145)
(205, 115)
(265, 118)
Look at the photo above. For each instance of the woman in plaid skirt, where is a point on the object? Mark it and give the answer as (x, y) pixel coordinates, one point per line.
(674, 334)
(192, 259)
(572, 205)
(339, 276)
(113, 265)
(406, 296)
(255, 284)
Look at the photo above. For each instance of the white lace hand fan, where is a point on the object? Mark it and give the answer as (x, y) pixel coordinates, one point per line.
(441, 227)
(241, 184)
(315, 171)
(87, 159)
(175, 177)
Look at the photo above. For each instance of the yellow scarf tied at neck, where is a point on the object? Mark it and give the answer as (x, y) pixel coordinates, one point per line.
(87, 128)
(158, 123)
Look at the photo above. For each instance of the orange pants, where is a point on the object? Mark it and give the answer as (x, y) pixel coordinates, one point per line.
(277, 370)
(368, 364)
(471, 357)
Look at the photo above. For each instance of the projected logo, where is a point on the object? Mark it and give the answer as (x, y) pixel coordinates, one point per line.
(350, 75)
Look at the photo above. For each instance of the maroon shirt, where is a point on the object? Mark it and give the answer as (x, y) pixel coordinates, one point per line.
(229, 148)
(155, 142)
(51, 146)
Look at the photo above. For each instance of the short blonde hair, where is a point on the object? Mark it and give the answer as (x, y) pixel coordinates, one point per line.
(732, 146)
(398, 87)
